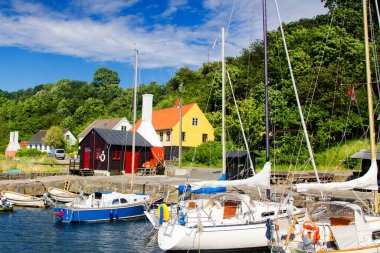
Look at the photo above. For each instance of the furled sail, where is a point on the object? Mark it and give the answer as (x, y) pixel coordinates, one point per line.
(367, 182)
(261, 179)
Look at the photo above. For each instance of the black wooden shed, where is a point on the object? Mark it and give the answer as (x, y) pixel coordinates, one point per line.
(237, 164)
(111, 151)
(365, 156)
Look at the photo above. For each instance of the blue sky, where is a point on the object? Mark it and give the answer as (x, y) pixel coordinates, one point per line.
(43, 41)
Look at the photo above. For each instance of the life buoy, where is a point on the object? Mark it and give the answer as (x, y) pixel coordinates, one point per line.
(102, 157)
(311, 230)
(163, 212)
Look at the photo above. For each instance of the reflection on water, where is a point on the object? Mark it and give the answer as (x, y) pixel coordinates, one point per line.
(35, 230)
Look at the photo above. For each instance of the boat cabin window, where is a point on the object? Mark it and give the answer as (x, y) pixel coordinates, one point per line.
(98, 195)
(123, 201)
(115, 202)
(266, 214)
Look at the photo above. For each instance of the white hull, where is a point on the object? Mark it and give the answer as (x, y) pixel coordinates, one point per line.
(61, 195)
(365, 249)
(177, 237)
(23, 200)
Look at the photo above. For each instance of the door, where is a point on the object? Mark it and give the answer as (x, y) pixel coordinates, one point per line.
(86, 158)
(128, 161)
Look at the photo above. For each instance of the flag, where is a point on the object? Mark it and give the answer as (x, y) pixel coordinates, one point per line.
(351, 93)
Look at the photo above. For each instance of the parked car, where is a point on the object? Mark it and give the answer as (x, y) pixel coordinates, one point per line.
(57, 153)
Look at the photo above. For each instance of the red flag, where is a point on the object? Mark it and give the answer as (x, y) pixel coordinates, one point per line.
(351, 93)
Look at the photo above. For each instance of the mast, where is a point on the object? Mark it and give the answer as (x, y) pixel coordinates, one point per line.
(266, 80)
(370, 100)
(180, 129)
(223, 108)
(297, 99)
(134, 121)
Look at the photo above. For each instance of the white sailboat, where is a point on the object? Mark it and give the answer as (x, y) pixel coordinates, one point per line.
(336, 226)
(224, 221)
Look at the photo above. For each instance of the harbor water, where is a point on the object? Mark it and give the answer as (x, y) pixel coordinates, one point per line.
(35, 230)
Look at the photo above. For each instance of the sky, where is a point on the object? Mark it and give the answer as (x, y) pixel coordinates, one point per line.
(44, 41)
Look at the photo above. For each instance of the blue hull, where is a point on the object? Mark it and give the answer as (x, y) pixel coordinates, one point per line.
(101, 214)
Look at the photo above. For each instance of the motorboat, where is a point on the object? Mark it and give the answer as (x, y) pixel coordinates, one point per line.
(103, 206)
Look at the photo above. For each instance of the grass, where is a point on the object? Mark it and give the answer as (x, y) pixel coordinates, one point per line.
(336, 158)
(28, 164)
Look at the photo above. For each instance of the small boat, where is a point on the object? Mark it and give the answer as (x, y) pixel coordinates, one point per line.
(19, 199)
(103, 206)
(5, 206)
(61, 195)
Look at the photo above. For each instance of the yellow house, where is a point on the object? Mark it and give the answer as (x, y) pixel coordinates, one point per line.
(196, 129)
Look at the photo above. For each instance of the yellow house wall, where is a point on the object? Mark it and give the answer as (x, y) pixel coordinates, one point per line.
(165, 142)
(193, 136)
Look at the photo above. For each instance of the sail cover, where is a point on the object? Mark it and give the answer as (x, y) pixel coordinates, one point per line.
(367, 182)
(261, 179)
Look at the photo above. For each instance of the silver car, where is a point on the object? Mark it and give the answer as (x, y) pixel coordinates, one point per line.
(57, 153)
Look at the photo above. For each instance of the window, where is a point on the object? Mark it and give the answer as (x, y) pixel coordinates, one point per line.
(167, 135)
(116, 154)
(116, 202)
(195, 122)
(123, 128)
(183, 136)
(67, 137)
(123, 201)
(204, 138)
(161, 136)
(97, 153)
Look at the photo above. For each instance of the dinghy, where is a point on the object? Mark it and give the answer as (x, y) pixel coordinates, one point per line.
(61, 195)
(19, 199)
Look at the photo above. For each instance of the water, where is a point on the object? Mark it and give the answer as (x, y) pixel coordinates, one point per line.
(35, 230)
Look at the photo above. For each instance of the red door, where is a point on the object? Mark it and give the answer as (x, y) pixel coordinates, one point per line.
(128, 161)
(86, 158)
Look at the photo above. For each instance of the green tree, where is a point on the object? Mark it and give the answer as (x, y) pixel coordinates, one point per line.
(54, 137)
(104, 76)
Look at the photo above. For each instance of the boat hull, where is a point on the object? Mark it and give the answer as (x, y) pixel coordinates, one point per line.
(61, 195)
(234, 237)
(23, 200)
(68, 215)
(6, 209)
(368, 249)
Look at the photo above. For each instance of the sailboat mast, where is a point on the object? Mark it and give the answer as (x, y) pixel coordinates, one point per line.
(370, 100)
(134, 120)
(266, 80)
(223, 107)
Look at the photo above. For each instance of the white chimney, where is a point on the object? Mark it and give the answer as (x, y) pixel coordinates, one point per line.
(11, 137)
(147, 107)
(15, 137)
(146, 128)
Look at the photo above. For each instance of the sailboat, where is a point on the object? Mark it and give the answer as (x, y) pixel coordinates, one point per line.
(224, 221)
(336, 226)
(106, 205)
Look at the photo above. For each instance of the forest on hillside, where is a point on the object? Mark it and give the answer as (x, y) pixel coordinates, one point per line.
(327, 55)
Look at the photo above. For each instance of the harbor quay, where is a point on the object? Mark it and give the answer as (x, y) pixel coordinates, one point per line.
(152, 184)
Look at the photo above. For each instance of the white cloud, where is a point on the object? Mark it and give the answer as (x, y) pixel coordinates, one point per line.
(173, 6)
(171, 45)
(104, 7)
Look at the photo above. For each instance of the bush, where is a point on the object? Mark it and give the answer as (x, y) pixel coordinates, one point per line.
(30, 153)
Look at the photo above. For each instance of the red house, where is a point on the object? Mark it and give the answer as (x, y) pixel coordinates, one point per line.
(111, 151)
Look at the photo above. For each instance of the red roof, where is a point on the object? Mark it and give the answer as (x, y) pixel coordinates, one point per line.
(166, 118)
